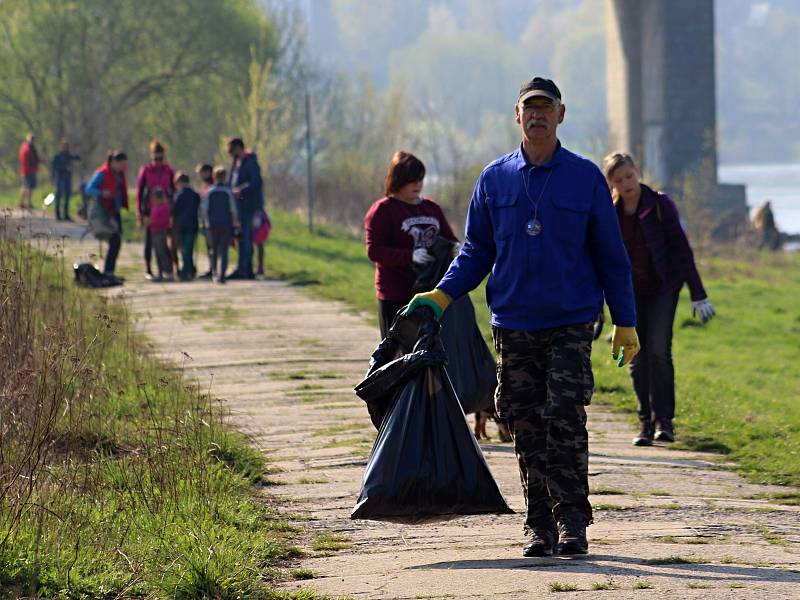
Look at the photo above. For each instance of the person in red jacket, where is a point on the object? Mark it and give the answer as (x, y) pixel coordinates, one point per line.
(110, 186)
(155, 174)
(399, 228)
(29, 161)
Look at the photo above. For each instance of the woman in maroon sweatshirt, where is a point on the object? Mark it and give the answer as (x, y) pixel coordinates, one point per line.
(399, 229)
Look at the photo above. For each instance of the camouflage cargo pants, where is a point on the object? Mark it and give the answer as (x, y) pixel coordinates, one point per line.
(544, 382)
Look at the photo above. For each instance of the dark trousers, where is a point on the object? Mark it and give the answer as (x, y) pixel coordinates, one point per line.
(114, 244)
(544, 382)
(220, 242)
(652, 370)
(163, 257)
(63, 193)
(148, 249)
(387, 309)
(245, 266)
(187, 251)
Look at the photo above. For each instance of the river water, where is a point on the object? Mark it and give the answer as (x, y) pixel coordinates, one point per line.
(779, 183)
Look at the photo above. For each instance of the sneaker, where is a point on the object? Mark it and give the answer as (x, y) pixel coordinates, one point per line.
(541, 542)
(221, 280)
(149, 276)
(206, 275)
(572, 535)
(665, 431)
(645, 437)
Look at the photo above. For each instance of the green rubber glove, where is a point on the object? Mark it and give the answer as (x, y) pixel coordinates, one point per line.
(624, 344)
(436, 300)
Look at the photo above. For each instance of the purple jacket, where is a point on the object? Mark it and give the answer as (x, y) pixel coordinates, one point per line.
(663, 234)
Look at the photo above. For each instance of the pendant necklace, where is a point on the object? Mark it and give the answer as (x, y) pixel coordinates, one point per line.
(534, 226)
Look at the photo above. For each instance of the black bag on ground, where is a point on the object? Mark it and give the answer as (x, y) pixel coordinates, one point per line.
(425, 464)
(87, 275)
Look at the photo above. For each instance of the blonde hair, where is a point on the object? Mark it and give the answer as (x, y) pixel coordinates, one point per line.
(614, 161)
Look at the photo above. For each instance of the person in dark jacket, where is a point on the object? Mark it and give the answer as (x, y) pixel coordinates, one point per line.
(661, 262)
(399, 229)
(185, 214)
(218, 211)
(248, 188)
(61, 173)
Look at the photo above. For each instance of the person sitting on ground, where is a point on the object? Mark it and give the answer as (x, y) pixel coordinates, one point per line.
(185, 213)
(661, 261)
(218, 213)
(110, 186)
(160, 224)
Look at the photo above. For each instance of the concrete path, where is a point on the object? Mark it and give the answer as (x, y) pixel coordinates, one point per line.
(668, 524)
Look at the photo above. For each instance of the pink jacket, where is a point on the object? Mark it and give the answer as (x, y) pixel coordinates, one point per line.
(160, 217)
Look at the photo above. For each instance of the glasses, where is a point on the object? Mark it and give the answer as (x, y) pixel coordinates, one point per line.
(544, 109)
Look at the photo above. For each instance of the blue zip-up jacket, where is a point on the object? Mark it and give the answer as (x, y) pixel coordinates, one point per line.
(560, 276)
(251, 184)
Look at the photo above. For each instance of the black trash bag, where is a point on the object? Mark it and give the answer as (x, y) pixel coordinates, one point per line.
(385, 376)
(426, 465)
(430, 274)
(470, 364)
(87, 275)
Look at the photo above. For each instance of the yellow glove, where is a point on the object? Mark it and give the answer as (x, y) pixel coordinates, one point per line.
(624, 344)
(436, 300)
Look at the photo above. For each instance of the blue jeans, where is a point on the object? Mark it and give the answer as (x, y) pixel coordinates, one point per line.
(63, 192)
(652, 370)
(245, 266)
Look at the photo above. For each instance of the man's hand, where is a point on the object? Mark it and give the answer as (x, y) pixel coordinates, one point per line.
(106, 193)
(436, 300)
(704, 308)
(624, 344)
(421, 257)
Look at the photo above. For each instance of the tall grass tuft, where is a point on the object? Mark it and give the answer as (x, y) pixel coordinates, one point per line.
(117, 476)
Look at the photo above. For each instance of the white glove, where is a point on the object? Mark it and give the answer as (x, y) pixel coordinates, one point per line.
(704, 308)
(421, 257)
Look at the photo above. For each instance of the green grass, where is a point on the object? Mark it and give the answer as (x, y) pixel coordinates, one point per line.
(331, 542)
(642, 585)
(141, 491)
(557, 586)
(604, 585)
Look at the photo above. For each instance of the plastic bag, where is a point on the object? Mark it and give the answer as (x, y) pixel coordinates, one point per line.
(100, 223)
(425, 464)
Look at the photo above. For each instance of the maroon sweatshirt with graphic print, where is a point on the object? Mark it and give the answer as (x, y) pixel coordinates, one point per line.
(393, 230)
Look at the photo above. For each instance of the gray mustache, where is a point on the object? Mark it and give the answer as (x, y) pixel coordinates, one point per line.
(533, 122)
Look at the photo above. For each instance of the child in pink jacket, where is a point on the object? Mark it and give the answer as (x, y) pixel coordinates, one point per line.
(159, 224)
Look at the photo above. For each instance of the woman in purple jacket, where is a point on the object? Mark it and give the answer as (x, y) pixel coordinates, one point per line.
(661, 261)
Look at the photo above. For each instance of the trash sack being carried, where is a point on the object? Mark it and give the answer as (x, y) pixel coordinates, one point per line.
(470, 363)
(426, 465)
(100, 223)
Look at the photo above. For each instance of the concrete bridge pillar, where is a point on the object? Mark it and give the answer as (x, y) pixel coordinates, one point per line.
(661, 93)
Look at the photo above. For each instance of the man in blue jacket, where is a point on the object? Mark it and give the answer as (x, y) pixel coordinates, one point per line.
(542, 225)
(247, 185)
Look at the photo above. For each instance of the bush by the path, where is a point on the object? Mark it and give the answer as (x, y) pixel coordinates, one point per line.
(117, 477)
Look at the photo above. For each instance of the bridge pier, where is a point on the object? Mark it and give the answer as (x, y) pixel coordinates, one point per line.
(662, 98)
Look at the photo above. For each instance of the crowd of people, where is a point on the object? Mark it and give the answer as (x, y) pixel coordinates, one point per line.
(558, 239)
(228, 209)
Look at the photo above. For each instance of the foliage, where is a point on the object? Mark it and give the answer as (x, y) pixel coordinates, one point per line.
(114, 74)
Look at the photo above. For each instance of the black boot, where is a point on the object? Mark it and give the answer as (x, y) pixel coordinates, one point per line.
(645, 437)
(541, 541)
(665, 431)
(572, 535)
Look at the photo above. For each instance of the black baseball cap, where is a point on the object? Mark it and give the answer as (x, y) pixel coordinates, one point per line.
(539, 86)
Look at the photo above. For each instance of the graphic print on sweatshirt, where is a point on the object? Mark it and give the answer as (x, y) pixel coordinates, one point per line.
(423, 229)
